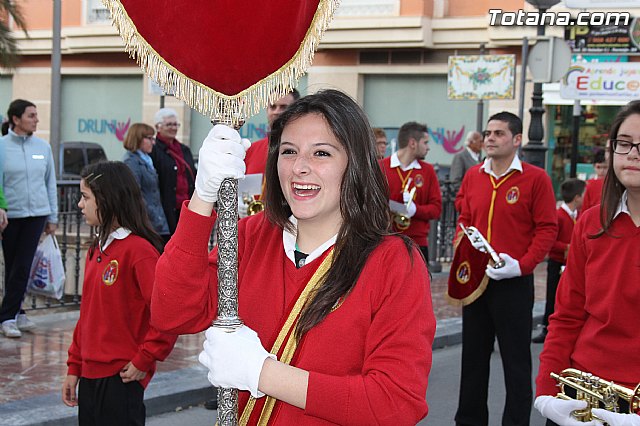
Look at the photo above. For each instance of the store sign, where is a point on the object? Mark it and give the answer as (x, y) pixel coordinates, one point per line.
(616, 38)
(611, 81)
(481, 77)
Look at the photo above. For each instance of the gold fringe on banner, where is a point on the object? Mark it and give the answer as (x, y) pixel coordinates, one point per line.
(220, 107)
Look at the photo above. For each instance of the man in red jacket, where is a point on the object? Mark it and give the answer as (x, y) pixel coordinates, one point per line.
(413, 184)
(513, 205)
(572, 191)
(256, 159)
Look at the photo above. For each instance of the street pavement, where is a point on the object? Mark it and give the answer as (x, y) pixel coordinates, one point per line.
(32, 369)
(442, 395)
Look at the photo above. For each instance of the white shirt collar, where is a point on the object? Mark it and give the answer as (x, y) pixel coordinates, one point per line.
(474, 155)
(119, 234)
(516, 164)
(395, 162)
(289, 242)
(623, 207)
(572, 213)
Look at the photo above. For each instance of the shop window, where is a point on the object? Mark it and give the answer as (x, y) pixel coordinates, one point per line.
(595, 122)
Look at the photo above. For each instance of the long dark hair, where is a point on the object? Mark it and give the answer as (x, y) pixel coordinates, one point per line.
(613, 189)
(363, 197)
(16, 109)
(119, 202)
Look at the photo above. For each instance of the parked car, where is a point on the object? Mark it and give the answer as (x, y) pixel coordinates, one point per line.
(75, 155)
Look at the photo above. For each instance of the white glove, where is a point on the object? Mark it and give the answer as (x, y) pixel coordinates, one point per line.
(616, 419)
(510, 269)
(406, 196)
(476, 241)
(234, 359)
(411, 209)
(559, 410)
(242, 208)
(221, 157)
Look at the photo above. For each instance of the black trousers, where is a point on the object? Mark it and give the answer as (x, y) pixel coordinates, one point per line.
(19, 243)
(553, 277)
(503, 311)
(425, 253)
(109, 401)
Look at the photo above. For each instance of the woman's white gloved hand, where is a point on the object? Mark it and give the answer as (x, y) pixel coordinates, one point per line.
(559, 410)
(220, 157)
(234, 359)
(616, 419)
(242, 208)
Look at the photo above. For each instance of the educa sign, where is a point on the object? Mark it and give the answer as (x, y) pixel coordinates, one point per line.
(611, 80)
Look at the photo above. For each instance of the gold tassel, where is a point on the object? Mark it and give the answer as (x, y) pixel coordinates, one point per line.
(218, 106)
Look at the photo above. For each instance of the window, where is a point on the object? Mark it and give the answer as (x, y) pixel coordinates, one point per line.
(96, 13)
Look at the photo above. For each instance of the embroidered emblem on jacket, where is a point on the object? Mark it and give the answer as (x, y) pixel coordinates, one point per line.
(513, 194)
(110, 273)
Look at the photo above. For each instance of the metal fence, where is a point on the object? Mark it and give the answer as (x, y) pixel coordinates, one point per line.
(74, 236)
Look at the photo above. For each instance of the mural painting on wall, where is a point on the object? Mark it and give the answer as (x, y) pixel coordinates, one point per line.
(253, 132)
(450, 140)
(102, 127)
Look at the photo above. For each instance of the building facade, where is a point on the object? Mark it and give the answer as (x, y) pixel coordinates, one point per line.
(391, 55)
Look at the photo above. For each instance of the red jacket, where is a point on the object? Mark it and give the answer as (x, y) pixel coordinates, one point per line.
(256, 158)
(520, 221)
(114, 328)
(565, 229)
(428, 198)
(368, 360)
(592, 194)
(594, 327)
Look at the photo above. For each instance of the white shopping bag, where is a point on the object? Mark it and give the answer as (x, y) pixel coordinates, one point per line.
(47, 272)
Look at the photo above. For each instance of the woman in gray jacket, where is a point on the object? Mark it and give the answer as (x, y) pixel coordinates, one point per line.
(139, 142)
(29, 183)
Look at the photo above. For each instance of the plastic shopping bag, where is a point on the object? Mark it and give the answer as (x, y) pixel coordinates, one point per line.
(47, 272)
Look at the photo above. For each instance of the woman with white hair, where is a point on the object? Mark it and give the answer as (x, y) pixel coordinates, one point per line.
(174, 163)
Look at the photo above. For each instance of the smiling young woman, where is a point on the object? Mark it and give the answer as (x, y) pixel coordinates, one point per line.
(597, 298)
(342, 306)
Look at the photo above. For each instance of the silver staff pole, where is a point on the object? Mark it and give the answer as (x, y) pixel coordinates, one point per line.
(228, 319)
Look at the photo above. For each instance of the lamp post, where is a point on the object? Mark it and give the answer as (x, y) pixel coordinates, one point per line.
(534, 152)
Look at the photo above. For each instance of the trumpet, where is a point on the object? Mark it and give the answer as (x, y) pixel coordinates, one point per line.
(253, 206)
(469, 231)
(598, 393)
(403, 221)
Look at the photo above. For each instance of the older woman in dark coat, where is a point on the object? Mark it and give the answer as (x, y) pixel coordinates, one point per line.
(139, 142)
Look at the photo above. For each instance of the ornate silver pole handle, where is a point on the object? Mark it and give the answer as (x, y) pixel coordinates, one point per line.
(228, 318)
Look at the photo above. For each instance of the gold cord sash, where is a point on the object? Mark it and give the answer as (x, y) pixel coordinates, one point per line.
(286, 336)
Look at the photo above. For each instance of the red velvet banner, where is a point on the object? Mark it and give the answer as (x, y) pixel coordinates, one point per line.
(226, 45)
(467, 279)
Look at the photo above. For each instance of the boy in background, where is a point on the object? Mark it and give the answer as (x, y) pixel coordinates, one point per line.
(572, 191)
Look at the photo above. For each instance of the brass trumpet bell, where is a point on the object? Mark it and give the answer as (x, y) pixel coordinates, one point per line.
(598, 393)
(402, 222)
(253, 206)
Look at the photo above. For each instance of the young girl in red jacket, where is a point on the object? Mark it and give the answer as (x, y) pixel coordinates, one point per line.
(595, 325)
(114, 350)
(337, 311)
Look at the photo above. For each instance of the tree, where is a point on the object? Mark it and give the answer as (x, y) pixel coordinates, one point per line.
(8, 45)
